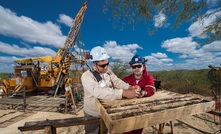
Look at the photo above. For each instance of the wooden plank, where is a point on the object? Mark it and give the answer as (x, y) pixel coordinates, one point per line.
(126, 115)
(10, 115)
(47, 109)
(37, 125)
(105, 117)
(158, 95)
(46, 105)
(37, 108)
(5, 112)
(13, 119)
(131, 123)
(148, 109)
(193, 127)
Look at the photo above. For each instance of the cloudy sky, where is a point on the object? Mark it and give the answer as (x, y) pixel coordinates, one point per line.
(38, 28)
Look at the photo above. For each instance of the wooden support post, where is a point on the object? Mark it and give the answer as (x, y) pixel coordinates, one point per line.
(66, 102)
(171, 126)
(50, 130)
(67, 93)
(24, 97)
(155, 128)
(161, 126)
(73, 102)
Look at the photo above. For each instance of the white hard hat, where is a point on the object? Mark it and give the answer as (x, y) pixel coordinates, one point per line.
(98, 53)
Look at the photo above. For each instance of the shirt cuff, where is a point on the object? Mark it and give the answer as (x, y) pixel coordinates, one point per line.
(119, 93)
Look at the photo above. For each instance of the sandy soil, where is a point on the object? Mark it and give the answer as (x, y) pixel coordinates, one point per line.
(39, 116)
(195, 124)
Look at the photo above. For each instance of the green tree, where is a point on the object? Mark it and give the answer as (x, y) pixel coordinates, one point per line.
(134, 11)
(120, 69)
(4, 75)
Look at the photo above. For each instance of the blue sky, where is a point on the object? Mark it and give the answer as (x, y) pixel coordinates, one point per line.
(39, 27)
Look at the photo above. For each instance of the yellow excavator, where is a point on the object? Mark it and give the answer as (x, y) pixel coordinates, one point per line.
(47, 73)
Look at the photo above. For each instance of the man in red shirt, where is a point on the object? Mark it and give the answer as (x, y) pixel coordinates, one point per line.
(141, 78)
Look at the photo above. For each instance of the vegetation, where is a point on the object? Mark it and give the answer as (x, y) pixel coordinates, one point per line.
(132, 12)
(120, 69)
(180, 81)
(4, 75)
(185, 81)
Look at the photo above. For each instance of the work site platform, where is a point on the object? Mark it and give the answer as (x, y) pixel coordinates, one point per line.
(124, 115)
(36, 103)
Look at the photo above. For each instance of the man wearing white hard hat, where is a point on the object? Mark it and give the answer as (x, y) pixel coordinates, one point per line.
(110, 87)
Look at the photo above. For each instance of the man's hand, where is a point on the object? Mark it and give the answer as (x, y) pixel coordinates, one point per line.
(132, 92)
(143, 94)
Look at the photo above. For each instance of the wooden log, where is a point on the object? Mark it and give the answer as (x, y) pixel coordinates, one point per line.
(38, 125)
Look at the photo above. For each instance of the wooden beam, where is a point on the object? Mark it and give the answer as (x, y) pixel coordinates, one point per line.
(38, 125)
(183, 122)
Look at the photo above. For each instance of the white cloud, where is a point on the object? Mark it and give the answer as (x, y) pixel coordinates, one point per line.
(196, 57)
(196, 29)
(159, 19)
(7, 59)
(67, 20)
(159, 55)
(159, 61)
(6, 63)
(156, 61)
(180, 45)
(25, 52)
(30, 30)
(214, 46)
(123, 52)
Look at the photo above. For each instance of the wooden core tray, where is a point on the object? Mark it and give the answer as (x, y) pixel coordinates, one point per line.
(129, 114)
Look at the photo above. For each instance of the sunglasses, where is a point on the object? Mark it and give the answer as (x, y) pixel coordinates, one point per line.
(103, 65)
(136, 66)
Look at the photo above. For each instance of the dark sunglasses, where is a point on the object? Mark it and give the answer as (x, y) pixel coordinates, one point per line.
(104, 65)
(136, 66)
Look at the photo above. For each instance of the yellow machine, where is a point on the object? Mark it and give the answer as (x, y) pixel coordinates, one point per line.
(31, 74)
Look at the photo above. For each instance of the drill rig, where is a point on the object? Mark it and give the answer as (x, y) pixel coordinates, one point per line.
(55, 74)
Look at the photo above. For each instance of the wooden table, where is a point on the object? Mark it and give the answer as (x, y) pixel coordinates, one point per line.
(129, 114)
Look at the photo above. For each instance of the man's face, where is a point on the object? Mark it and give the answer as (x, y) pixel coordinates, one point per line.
(137, 68)
(102, 66)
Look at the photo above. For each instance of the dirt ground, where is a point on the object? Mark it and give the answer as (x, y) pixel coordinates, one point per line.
(12, 128)
(191, 125)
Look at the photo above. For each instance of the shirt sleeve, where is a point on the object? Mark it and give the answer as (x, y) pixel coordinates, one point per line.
(92, 87)
(149, 88)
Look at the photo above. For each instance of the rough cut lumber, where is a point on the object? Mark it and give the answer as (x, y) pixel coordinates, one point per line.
(130, 114)
(37, 125)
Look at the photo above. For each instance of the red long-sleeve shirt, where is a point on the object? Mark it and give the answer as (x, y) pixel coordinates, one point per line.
(146, 82)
